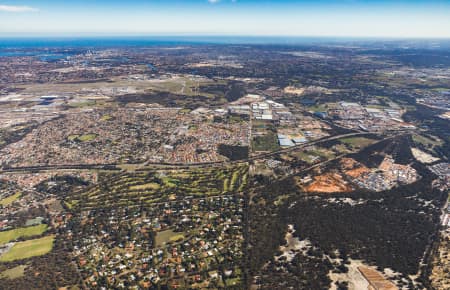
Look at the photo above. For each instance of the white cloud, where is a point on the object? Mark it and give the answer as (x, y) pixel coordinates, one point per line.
(217, 1)
(9, 8)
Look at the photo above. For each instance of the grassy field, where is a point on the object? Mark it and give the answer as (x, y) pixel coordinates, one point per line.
(268, 142)
(428, 142)
(87, 137)
(168, 236)
(28, 249)
(13, 273)
(10, 199)
(152, 185)
(232, 282)
(106, 118)
(357, 142)
(311, 156)
(82, 138)
(318, 108)
(261, 124)
(302, 155)
(82, 104)
(181, 86)
(12, 235)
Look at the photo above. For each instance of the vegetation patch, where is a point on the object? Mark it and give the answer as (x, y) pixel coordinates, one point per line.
(10, 199)
(28, 249)
(137, 188)
(268, 142)
(105, 118)
(82, 104)
(12, 235)
(13, 273)
(233, 152)
(167, 236)
(82, 138)
(358, 142)
(151, 185)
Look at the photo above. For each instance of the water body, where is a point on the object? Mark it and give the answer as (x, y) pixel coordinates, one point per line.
(86, 42)
(63, 46)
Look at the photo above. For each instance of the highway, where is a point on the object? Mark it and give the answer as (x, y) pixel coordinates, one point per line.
(152, 166)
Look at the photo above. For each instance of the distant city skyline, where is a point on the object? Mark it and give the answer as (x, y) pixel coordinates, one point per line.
(350, 18)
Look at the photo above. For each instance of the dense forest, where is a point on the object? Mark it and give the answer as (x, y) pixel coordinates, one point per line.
(390, 229)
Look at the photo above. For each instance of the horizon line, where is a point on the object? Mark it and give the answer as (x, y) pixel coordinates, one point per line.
(204, 35)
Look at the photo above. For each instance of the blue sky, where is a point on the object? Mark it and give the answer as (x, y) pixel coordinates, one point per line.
(369, 18)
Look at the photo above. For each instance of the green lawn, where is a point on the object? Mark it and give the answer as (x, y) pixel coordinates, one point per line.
(14, 234)
(28, 249)
(10, 199)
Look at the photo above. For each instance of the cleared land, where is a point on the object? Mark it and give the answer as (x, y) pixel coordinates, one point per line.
(12, 235)
(28, 249)
(328, 183)
(376, 280)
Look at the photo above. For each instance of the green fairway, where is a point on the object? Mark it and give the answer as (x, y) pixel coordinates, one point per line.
(136, 188)
(28, 249)
(152, 185)
(14, 234)
(10, 199)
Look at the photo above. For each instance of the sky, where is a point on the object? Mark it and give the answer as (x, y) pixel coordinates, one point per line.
(345, 18)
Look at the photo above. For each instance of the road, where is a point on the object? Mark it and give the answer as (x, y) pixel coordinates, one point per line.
(150, 166)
